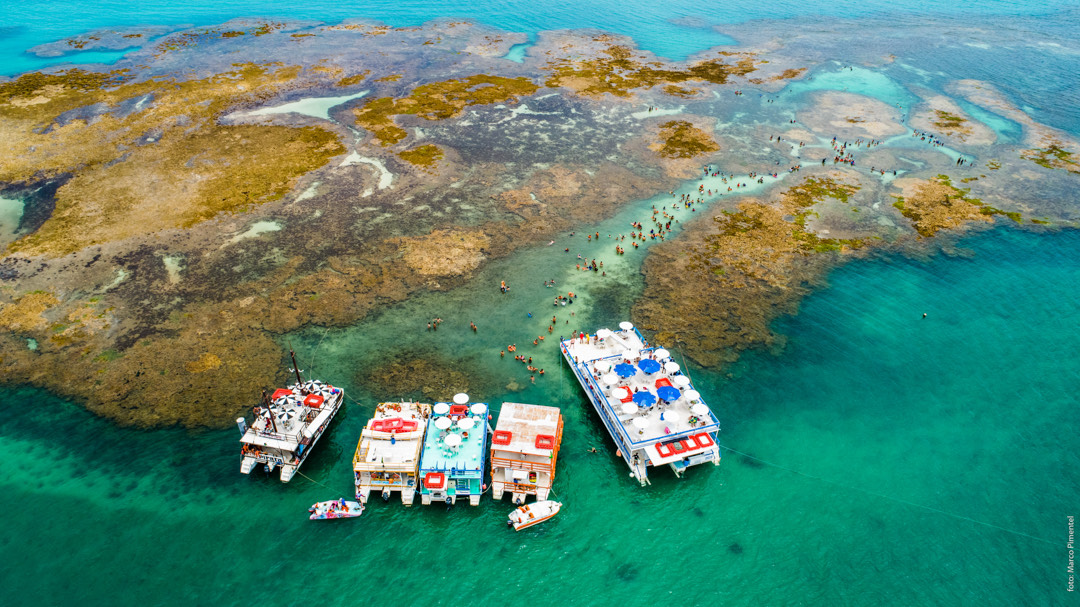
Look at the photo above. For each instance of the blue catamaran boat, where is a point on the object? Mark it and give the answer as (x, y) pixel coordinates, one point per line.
(454, 457)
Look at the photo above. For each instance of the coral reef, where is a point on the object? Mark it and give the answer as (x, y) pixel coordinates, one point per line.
(717, 288)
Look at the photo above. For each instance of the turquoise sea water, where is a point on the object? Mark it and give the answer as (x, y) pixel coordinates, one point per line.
(970, 411)
(880, 458)
(671, 29)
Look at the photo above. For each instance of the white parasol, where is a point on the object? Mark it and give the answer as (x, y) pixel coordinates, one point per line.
(452, 440)
(692, 395)
(441, 408)
(671, 366)
(629, 408)
(466, 423)
(700, 409)
(461, 398)
(603, 333)
(661, 353)
(478, 409)
(442, 423)
(640, 423)
(626, 325)
(610, 379)
(680, 381)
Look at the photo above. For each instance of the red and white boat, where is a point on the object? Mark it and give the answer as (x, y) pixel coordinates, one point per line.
(532, 514)
(287, 426)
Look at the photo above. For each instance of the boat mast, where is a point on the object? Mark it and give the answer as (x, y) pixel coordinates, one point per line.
(296, 368)
(269, 413)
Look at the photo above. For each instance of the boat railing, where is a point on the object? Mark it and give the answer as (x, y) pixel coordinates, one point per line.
(524, 488)
(517, 464)
(296, 438)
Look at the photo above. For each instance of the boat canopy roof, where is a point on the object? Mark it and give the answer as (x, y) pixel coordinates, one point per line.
(253, 438)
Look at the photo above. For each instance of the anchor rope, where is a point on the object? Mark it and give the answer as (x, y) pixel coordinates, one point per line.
(892, 498)
(313, 480)
(315, 354)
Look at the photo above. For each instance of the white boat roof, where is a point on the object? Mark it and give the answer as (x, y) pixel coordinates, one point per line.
(252, 437)
(525, 422)
(600, 356)
(376, 452)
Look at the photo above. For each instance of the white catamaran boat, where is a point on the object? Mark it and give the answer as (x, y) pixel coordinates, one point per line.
(288, 425)
(647, 404)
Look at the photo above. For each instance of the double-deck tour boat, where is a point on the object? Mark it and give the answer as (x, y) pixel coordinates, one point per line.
(645, 401)
(387, 457)
(524, 450)
(287, 425)
(454, 457)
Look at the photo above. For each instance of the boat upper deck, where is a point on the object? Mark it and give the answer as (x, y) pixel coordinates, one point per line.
(295, 415)
(652, 401)
(520, 425)
(391, 440)
(456, 438)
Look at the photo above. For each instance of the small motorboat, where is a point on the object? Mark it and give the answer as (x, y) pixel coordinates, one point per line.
(339, 508)
(531, 514)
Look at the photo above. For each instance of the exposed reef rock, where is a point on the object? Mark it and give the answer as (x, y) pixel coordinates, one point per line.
(221, 187)
(716, 289)
(933, 205)
(681, 139)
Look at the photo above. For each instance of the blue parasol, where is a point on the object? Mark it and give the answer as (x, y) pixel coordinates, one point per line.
(649, 366)
(625, 370)
(644, 399)
(667, 393)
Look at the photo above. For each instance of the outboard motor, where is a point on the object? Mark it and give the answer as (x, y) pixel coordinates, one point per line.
(386, 495)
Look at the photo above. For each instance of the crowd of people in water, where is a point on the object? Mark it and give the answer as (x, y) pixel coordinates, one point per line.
(662, 221)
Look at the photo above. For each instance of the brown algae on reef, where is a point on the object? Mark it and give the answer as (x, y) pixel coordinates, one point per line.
(1054, 156)
(128, 183)
(681, 139)
(439, 101)
(935, 204)
(620, 72)
(425, 156)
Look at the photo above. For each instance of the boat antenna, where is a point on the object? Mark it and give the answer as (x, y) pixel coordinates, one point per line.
(296, 368)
